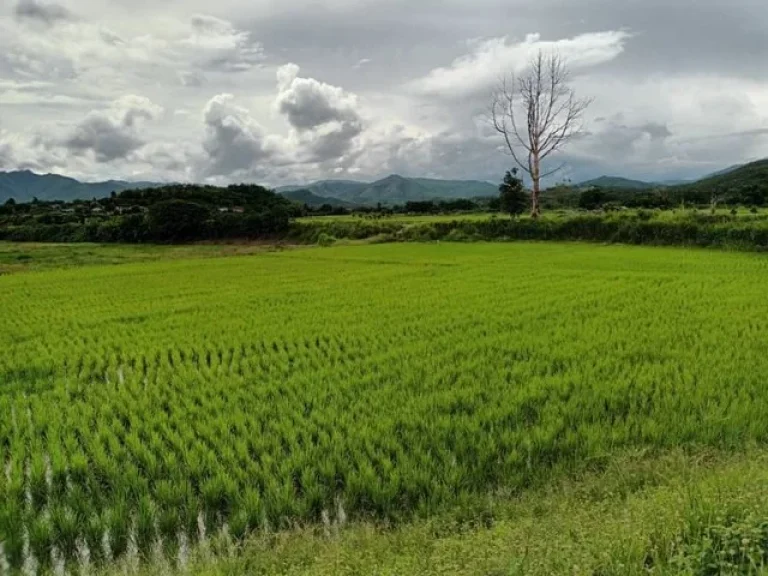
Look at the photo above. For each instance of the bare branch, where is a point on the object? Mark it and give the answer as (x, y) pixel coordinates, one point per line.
(537, 113)
(553, 171)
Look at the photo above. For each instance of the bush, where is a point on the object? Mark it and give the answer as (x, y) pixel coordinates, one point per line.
(326, 240)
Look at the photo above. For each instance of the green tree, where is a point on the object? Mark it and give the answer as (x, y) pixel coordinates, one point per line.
(513, 198)
(174, 220)
(592, 199)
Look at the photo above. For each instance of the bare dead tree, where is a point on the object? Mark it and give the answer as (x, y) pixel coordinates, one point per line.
(537, 113)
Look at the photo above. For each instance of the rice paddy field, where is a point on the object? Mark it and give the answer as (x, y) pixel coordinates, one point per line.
(519, 408)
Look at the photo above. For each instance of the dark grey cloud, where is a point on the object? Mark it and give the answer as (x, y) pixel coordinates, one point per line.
(309, 104)
(326, 118)
(106, 139)
(405, 39)
(6, 156)
(191, 79)
(619, 138)
(234, 143)
(330, 145)
(685, 37)
(656, 131)
(217, 45)
(47, 13)
(112, 134)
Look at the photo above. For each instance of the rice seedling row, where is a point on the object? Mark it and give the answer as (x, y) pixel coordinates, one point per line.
(146, 405)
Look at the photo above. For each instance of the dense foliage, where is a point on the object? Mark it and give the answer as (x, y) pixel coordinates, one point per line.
(746, 185)
(743, 230)
(168, 214)
(741, 186)
(145, 402)
(513, 199)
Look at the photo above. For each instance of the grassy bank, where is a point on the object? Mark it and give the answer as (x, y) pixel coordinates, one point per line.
(742, 231)
(678, 513)
(26, 256)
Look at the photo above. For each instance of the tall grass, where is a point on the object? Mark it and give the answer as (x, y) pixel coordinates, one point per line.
(744, 231)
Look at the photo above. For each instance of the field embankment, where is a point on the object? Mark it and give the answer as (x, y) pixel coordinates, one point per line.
(745, 231)
(694, 514)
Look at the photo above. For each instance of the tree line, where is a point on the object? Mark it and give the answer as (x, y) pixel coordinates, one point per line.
(175, 213)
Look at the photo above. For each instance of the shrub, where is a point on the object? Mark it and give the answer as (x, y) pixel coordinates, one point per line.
(326, 240)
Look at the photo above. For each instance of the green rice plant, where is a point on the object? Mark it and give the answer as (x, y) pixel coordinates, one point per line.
(41, 538)
(66, 530)
(377, 382)
(146, 524)
(251, 505)
(11, 518)
(116, 521)
(92, 531)
(219, 494)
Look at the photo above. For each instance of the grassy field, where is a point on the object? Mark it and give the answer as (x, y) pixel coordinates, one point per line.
(18, 257)
(462, 394)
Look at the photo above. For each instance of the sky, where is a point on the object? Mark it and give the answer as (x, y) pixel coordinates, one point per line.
(292, 91)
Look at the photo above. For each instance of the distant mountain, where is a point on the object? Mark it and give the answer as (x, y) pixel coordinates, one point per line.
(396, 189)
(724, 171)
(744, 184)
(616, 182)
(327, 188)
(304, 196)
(673, 182)
(24, 185)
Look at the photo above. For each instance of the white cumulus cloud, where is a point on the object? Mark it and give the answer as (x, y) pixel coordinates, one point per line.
(491, 59)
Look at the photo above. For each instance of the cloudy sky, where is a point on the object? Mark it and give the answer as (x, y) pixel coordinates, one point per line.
(284, 91)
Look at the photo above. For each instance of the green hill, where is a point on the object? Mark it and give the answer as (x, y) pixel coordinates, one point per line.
(723, 172)
(326, 188)
(25, 185)
(304, 196)
(747, 184)
(396, 189)
(459, 188)
(616, 182)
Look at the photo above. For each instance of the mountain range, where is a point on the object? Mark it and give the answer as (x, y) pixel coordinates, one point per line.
(616, 182)
(25, 185)
(394, 189)
(304, 196)
(628, 184)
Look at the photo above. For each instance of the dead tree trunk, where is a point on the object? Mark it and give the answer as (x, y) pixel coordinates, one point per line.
(536, 114)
